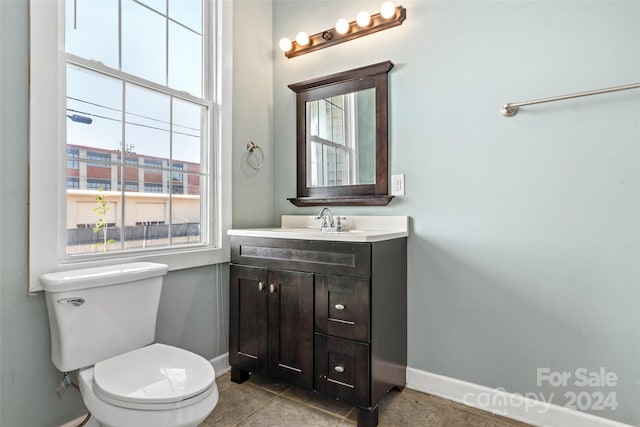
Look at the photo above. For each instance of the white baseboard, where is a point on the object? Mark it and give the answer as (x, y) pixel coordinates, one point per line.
(511, 405)
(221, 364)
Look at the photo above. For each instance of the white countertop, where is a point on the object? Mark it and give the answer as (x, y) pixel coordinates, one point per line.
(358, 229)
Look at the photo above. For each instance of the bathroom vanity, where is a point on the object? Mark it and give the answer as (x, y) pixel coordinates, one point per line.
(323, 311)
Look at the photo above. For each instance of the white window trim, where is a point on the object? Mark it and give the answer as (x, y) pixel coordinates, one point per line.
(46, 205)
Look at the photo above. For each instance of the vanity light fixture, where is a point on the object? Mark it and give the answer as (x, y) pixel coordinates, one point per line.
(389, 16)
(285, 44)
(363, 19)
(387, 10)
(342, 26)
(302, 39)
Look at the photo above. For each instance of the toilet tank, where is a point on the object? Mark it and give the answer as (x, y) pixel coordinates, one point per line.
(97, 313)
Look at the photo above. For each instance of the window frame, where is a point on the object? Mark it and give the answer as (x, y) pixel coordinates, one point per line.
(47, 196)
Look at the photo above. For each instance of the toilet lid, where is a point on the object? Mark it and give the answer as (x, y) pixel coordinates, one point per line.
(157, 373)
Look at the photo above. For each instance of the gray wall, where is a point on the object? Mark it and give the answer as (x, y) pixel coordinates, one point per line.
(193, 307)
(252, 113)
(28, 378)
(524, 249)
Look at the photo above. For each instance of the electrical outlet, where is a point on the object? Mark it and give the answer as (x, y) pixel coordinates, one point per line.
(397, 185)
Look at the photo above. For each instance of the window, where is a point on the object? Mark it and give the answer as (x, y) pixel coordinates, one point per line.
(153, 163)
(72, 154)
(102, 160)
(177, 177)
(332, 140)
(98, 184)
(139, 103)
(128, 186)
(153, 188)
(128, 160)
(73, 183)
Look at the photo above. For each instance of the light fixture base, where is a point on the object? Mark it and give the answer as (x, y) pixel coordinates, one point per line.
(331, 37)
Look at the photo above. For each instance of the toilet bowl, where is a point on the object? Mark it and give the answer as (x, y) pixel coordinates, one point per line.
(145, 388)
(102, 322)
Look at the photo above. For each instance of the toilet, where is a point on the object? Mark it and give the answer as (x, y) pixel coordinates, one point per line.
(102, 322)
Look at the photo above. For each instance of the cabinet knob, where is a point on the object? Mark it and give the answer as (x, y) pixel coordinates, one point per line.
(260, 286)
(339, 307)
(339, 368)
(272, 288)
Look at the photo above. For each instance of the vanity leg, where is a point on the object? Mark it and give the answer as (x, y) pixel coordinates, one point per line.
(238, 375)
(368, 417)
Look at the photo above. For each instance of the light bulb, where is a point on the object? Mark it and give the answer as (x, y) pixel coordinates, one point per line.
(285, 44)
(302, 38)
(342, 26)
(388, 10)
(363, 19)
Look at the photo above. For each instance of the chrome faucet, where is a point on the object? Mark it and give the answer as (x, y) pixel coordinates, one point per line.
(328, 223)
(326, 216)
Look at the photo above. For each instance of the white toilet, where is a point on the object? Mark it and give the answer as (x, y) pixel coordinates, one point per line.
(102, 321)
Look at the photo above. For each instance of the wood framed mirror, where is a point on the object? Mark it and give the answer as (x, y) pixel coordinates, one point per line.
(342, 138)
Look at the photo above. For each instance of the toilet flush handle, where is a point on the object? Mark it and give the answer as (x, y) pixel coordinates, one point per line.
(75, 301)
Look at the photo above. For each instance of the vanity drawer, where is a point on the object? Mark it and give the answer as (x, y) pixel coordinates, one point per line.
(342, 369)
(342, 307)
(313, 256)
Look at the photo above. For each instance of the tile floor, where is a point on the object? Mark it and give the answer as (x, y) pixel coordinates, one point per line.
(264, 402)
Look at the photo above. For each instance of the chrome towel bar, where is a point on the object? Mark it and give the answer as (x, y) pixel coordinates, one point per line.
(510, 109)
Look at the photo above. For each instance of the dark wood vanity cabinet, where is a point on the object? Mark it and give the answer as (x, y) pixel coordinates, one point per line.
(323, 315)
(272, 323)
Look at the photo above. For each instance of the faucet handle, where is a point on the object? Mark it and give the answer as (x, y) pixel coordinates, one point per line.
(323, 218)
(338, 223)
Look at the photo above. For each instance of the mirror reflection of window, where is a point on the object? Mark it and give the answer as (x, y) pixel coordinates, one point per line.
(341, 139)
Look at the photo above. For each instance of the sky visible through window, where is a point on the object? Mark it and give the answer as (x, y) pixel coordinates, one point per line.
(166, 51)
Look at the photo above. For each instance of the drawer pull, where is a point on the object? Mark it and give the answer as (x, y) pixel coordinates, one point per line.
(339, 368)
(339, 307)
(260, 286)
(272, 288)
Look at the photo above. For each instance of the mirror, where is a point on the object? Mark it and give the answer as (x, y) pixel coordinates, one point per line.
(342, 138)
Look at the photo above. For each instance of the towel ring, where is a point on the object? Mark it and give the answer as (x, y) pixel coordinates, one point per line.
(259, 162)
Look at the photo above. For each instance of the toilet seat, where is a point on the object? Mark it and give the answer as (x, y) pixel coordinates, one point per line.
(156, 377)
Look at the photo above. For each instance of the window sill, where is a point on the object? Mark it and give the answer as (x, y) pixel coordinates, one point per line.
(178, 259)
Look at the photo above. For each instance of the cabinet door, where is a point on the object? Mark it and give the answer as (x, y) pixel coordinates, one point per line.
(291, 327)
(248, 299)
